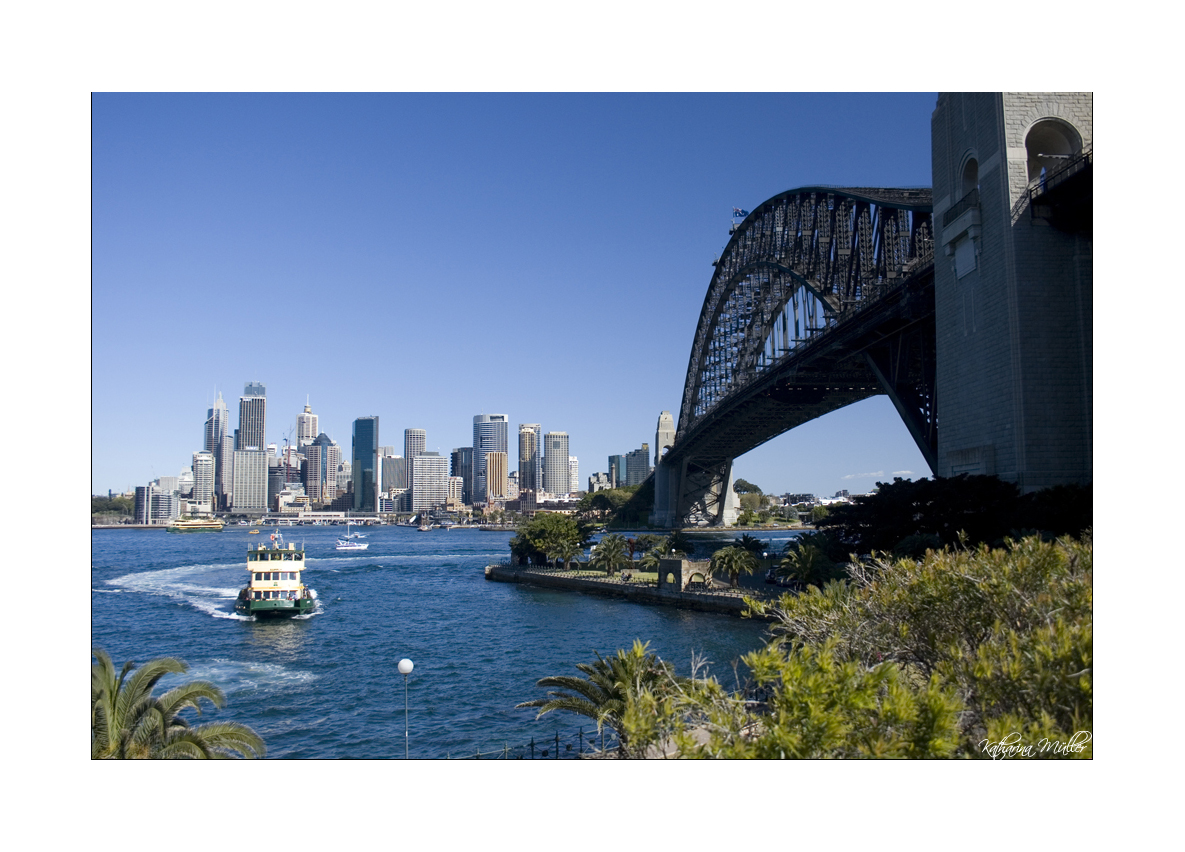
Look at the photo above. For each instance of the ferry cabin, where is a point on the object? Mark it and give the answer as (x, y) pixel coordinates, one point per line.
(275, 573)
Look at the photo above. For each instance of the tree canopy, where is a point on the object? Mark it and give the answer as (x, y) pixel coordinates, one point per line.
(547, 534)
(743, 486)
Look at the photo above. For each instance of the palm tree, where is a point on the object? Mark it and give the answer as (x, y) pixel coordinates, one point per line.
(807, 563)
(680, 542)
(602, 694)
(751, 543)
(733, 561)
(563, 550)
(128, 721)
(610, 554)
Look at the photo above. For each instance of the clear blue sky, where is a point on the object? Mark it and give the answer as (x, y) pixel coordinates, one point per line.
(431, 257)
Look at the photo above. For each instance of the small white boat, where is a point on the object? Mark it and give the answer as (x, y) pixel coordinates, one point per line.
(350, 541)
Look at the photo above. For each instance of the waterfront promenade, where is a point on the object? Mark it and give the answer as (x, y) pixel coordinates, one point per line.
(713, 598)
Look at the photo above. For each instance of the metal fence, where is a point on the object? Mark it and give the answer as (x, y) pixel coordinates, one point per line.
(562, 746)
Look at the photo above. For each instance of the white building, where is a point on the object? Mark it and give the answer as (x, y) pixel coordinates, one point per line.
(557, 479)
(306, 426)
(430, 481)
(250, 481)
(573, 475)
(203, 477)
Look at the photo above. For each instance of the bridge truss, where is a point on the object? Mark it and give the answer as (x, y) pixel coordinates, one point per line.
(823, 297)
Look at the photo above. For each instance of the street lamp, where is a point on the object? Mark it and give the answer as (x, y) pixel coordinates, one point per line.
(405, 667)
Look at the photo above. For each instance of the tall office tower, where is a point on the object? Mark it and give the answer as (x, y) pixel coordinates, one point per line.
(144, 494)
(250, 481)
(461, 465)
(320, 469)
(573, 475)
(431, 482)
(637, 465)
(529, 438)
(616, 471)
(364, 464)
(496, 475)
(394, 473)
(252, 417)
(344, 480)
(306, 427)
(556, 479)
(224, 470)
(664, 435)
(512, 485)
(203, 477)
(456, 492)
(414, 441)
(489, 436)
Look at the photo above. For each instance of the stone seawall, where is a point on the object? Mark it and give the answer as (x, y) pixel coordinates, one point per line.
(727, 604)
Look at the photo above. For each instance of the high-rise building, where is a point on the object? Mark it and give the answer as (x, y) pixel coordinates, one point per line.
(414, 441)
(252, 417)
(250, 481)
(462, 466)
(530, 466)
(489, 436)
(637, 465)
(203, 477)
(217, 428)
(496, 475)
(344, 481)
(225, 470)
(306, 427)
(144, 495)
(616, 471)
(664, 435)
(573, 475)
(431, 482)
(364, 464)
(320, 469)
(394, 473)
(556, 475)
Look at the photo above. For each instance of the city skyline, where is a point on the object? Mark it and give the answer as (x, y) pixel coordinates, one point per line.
(597, 214)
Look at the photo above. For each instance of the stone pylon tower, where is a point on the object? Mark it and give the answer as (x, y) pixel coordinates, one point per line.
(1013, 278)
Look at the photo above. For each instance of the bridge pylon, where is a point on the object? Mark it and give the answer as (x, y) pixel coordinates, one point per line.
(694, 495)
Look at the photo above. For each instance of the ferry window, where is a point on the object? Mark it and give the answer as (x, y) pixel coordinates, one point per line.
(299, 557)
(251, 557)
(257, 596)
(258, 576)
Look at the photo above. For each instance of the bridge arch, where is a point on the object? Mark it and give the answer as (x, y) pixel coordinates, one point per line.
(819, 300)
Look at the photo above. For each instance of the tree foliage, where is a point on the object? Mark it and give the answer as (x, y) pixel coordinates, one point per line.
(128, 721)
(933, 658)
(602, 693)
(546, 533)
(611, 554)
(742, 486)
(733, 561)
(985, 508)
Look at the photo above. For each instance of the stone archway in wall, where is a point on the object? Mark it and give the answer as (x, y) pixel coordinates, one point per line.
(675, 574)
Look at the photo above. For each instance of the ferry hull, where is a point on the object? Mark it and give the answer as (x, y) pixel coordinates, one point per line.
(276, 608)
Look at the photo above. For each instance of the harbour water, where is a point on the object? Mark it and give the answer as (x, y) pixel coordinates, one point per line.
(327, 685)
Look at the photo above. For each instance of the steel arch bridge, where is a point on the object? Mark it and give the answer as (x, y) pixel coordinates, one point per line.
(823, 297)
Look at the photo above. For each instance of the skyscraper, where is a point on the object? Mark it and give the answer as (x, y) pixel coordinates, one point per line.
(252, 417)
(462, 465)
(364, 464)
(203, 477)
(496, 475)
(556, 478)
(573, 474)
(320, 467)
(217, 428)
(250, 481)
(414, 441)
(529, 464)
(616, 471)
(306, 427)
(637, 465)
(431, 481)
(489, 435)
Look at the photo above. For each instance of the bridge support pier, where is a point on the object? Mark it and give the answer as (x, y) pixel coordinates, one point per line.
(687, 494)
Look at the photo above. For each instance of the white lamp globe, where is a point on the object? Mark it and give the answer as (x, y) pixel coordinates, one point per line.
(405, 667)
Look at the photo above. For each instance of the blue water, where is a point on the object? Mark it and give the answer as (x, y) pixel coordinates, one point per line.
(326, 685)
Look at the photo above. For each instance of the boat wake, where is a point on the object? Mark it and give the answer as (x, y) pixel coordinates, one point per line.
(241, 676)
(177, 584)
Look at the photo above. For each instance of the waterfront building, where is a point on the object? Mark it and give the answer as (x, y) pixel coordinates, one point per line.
(414, 441)
(496, 476)
(322, 458)
(165, 506)
(224, 471)
(461, 464)
(364, 464)
(489, 436)
(217, 427)
(143, 507)
(249, 489)
(664, 435)
(306, 427)
(573, 475)
(617, 471)
(512, 485)
(394, 471)
(252, 417)
(430, 476)
(556, 475)
(185, 483)
(203, 477)
(637, 465)
(456, 492)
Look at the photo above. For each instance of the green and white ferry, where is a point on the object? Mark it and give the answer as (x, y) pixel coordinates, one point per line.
(275, 589)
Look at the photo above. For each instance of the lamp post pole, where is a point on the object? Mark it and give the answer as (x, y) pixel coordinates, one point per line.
(405, 667)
